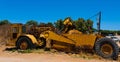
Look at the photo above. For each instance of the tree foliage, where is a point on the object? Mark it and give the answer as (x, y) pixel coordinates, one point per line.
(4, 22)
(84, 25)
(59, 24)
(31, 22)
(107, 32)
(118, 32)
(42, 24)
(50, 24)
(89, 24)
(80, 24)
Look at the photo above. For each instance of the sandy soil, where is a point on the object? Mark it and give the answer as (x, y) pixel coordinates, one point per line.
(8, 56)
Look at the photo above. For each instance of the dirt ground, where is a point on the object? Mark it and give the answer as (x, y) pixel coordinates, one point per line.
(9, 56)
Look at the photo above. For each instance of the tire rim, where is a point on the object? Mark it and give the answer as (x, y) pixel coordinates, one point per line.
(107, 49)
(23, 45)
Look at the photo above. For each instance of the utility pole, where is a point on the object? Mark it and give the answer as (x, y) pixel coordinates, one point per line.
(99, 21)
(98, 15)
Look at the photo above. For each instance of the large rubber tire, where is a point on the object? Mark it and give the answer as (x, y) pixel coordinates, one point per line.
(24, 43)
(107, 48)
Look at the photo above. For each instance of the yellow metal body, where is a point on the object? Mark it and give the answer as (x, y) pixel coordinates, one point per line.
(107, 49)
(31, 37)
(15, 32)
(67, 22)
(69, 40)
(56, 37)
(82, 39)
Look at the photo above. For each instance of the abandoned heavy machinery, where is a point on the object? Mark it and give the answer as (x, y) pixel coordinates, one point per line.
(69, 39)
(24, 37)
(74, 40)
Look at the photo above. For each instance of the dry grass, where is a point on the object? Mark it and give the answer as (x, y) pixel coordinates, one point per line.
(82, 55)
(4, 34)
(53, 51)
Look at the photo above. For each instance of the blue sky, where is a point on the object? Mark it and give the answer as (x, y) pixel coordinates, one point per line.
(20, 11)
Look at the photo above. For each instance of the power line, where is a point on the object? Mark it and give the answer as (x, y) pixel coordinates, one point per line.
(98, 15)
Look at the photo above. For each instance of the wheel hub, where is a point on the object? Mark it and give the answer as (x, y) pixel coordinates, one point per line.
(107, 49)
(23, 45)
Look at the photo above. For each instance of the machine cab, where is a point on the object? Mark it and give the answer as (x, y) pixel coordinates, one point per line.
(15, 31)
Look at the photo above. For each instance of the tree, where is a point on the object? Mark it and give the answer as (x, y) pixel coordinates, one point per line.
(50, 24)
(4, 22)
(107, 32)
(84, 25)
(42, 24)
(32, 22)
(59, 24)
(89, 25)
(81, 25)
